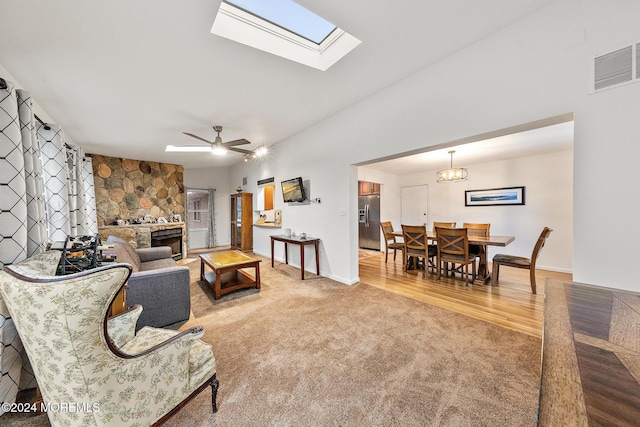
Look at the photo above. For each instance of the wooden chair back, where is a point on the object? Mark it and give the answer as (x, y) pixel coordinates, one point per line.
(453, 247)
(390, 241)
(443, 224)
(387, 229)
(415, 238)
(477, 229)
(452, 241)
(539, 245)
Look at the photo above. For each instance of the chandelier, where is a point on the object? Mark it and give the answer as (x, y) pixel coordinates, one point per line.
(452, 174)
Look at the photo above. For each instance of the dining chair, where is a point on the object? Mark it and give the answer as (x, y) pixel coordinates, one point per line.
(476, 230)
(521, 262)
(443, 224)
(449, 224)
(416, 245)
(453, 246)
(390, 241)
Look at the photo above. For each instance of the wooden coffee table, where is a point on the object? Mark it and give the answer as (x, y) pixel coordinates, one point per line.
(226, 275)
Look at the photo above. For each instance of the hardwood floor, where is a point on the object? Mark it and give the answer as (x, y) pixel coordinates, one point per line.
(510, 305)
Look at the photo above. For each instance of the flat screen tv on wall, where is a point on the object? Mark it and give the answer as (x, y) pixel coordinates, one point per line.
(293, 191)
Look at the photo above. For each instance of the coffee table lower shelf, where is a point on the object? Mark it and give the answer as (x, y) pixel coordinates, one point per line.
(230, 281)
(227, 274)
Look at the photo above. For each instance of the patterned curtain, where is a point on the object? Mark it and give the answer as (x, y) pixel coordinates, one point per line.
(54, 174)
(36, 225)
(68, 186)
(46, 193)
(22, 226)
(91, 215)
(22, 222)
(211, 226)
(80, 193)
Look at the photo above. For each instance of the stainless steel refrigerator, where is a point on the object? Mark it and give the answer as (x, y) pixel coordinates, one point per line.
(369, 221)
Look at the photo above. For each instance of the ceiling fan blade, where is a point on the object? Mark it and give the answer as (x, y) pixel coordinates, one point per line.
(236, 142)
(188, 148)
(239, 150)
(197, 137)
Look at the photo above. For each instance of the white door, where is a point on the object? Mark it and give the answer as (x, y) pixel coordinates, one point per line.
(414, 205)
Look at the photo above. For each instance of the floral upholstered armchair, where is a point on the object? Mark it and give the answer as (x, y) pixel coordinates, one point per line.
(109, 374)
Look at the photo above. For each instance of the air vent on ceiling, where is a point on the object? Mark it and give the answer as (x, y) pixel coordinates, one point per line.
(616, 68)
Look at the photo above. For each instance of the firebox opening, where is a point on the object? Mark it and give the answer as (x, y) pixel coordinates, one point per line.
(172, 238)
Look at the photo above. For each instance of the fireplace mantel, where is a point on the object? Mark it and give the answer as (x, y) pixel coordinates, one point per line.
(139, 235)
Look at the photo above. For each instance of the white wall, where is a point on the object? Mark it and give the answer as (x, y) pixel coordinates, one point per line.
(217, 178)
(534, 69)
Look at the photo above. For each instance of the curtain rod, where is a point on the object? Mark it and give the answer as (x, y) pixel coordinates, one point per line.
(46, 126)
(3, 85)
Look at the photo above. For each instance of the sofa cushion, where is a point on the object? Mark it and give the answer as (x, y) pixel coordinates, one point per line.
(157, 264)
(125, 252)
(122, 255)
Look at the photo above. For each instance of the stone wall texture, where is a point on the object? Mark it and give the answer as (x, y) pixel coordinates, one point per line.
(130, 189)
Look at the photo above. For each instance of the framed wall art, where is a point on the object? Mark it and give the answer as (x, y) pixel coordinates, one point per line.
(494, 197)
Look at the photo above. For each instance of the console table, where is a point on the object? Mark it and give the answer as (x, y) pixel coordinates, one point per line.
(590, 356)
(300, 241)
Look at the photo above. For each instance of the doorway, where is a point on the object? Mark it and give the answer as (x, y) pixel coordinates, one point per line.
(198, 218)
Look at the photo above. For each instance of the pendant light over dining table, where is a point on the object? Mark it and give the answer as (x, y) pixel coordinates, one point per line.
(452, 174)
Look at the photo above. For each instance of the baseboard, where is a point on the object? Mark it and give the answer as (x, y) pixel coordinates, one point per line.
(328, 276)
(555, 269)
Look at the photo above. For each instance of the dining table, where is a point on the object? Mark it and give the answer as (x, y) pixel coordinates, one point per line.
(484, 275)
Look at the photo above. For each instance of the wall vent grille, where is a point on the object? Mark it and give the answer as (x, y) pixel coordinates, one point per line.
(637, 61)
(614, 68)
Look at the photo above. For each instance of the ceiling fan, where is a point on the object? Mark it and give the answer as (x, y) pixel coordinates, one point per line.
(217, 147)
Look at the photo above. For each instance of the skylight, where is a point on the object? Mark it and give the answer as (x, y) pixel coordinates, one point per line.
(290, 16)
(283, 28)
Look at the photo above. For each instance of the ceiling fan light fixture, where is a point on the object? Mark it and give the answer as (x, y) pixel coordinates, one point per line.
(452, 174)
(261, 151)
(218, 150)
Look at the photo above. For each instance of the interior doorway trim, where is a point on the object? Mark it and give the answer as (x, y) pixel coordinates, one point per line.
(550, 121)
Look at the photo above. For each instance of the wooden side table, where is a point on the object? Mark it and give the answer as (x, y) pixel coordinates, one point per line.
(302, 242)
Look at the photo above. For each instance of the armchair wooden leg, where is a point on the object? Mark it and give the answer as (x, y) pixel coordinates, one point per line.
(214, 392)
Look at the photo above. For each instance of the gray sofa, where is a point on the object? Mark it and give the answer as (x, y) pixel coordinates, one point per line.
(157, 283)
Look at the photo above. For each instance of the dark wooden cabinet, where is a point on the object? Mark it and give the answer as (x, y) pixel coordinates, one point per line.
(242, 221)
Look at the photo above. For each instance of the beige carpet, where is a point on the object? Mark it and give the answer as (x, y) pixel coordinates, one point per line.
(319, 353)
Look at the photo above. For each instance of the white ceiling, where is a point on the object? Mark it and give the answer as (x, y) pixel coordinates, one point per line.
(126, 78)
